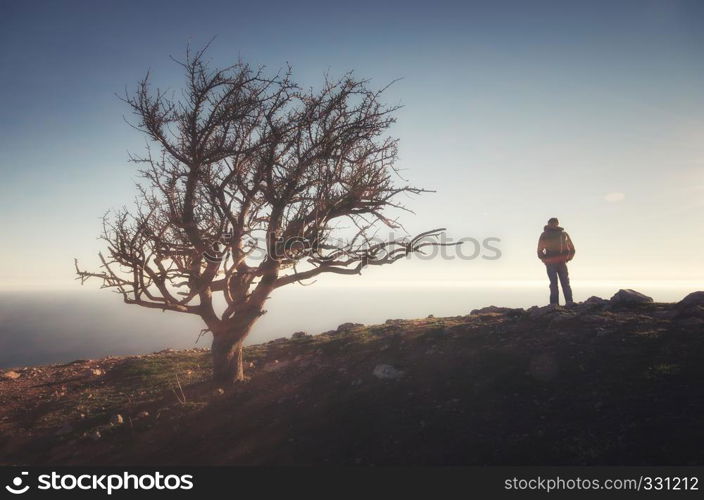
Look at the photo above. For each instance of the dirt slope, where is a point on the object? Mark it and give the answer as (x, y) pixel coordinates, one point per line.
(601, 383)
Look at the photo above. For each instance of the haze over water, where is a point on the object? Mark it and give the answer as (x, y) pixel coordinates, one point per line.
(61, 326)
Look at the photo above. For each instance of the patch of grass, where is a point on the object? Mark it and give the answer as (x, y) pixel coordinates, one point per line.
(158, 371)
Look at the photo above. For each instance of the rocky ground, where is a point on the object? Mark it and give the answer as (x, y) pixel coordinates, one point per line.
(604, 382)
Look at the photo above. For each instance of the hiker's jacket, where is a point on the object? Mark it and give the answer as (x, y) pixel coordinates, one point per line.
(555, 245)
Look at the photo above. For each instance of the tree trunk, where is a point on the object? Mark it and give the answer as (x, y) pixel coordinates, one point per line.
(228, 366)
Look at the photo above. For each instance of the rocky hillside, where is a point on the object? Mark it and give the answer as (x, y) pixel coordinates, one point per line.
(614, 381)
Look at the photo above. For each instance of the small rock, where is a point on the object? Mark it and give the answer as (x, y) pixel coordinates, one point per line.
(346, 327)
(299, 335)
(628, 296)
(117, 419)
(594, 300)
(387, 372)
(96, 372)
(11, 375)
(219, 391)
(143, 414)
(430, 316)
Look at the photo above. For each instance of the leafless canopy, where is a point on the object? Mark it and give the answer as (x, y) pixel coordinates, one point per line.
(247, 164)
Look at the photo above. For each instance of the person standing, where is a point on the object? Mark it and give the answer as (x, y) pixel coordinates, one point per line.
(555, 250)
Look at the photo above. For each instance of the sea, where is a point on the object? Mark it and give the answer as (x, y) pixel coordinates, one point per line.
(58, 326)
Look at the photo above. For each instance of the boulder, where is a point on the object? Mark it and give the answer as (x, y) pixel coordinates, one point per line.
(117, 419)
(628, 296)
(694, 299)
(387, 372)
(299, 335)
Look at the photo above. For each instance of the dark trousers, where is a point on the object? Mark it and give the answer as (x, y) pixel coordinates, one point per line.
(559, 270)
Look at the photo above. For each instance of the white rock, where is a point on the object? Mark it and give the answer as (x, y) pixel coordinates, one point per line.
(11, 375)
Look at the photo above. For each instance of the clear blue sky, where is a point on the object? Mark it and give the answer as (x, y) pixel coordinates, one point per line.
(513, 111)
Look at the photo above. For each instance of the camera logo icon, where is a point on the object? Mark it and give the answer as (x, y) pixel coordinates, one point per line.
(16, 488)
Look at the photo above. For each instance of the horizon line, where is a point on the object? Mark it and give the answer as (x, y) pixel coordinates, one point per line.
(482, 283)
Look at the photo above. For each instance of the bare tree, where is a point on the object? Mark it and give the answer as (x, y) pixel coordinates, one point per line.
(250, 164)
